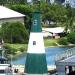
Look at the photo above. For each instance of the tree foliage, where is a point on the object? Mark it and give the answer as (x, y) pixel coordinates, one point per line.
(69, 25)
(14, 32)
(4, 2)
(63, 41)
(71, 37)
(59, 14)
(26, 10)
(56, 13)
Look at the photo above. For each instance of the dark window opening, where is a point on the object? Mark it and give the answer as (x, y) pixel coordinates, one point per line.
(35, 22)
(2, 71)
(34, 42)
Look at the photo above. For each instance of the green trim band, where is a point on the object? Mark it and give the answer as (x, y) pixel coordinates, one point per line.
(36, 22)
(36, 64)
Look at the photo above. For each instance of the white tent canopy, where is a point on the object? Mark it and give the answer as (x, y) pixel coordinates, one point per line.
(54, 30)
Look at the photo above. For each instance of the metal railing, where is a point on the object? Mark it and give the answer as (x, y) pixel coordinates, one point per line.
(65, 54)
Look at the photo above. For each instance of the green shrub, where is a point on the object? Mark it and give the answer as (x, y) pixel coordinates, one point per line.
(14, 32)
(21, 49)
(50, 42)
(71, 37)
(63, 41)
(9, 49)
(14, 48)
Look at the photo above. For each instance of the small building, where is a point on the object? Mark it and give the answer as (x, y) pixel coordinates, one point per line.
(8, 15)
(52, 32)
(65, 63)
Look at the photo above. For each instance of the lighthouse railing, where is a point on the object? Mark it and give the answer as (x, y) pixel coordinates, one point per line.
(65, 54)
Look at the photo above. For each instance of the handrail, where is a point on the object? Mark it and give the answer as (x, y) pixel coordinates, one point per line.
(65, 54)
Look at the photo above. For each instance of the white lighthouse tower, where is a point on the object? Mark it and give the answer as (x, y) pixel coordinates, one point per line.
(36, 57)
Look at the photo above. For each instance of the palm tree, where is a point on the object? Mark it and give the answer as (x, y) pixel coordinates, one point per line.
(70, 19)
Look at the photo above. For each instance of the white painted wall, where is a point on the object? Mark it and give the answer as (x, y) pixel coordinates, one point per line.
(20, 19)
(39, 46)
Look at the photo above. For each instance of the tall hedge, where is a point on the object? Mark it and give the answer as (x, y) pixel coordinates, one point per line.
(71, 37)
(14, 32)
(63, 41)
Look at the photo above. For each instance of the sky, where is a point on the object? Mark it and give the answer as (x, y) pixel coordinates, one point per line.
(31, 0)
(28, 0)
(72, 2)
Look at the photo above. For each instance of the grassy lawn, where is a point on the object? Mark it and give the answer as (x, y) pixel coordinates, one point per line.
(19, 47)
(16, 49)
(50, 42)
(47, 42)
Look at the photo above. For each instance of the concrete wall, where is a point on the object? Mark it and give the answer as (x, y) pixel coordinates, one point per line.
(60, 69)
(63, 68)
(20, 19)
